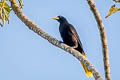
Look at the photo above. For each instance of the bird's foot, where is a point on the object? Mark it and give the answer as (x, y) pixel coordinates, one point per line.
(74, 46)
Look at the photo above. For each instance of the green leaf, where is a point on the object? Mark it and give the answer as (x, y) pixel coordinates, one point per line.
(4, 12)
(7, 8)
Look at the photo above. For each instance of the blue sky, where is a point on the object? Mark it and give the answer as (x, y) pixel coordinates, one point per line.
(26, 56)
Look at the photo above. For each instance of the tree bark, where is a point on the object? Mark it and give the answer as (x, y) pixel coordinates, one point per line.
(103, 38)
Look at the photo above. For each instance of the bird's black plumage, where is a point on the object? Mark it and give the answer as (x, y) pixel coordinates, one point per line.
(69, 34)
(71, 38)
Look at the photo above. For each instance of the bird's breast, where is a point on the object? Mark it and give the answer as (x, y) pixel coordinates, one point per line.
(66, 35)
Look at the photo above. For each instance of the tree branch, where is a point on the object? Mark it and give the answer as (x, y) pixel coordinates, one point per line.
(32, 26)
(117, 1)
(103, 38)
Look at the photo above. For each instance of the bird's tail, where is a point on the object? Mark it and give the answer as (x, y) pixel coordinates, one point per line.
(88, 73)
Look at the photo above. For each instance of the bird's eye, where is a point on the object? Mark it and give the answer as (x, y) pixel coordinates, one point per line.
(60, 16)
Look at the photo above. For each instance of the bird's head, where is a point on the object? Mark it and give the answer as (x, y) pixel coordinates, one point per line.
(60, 19)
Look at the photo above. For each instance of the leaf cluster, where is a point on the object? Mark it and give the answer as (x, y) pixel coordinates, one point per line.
(5, 10)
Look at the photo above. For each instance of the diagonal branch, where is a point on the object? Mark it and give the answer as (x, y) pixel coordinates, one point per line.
(103, 38)
(32, 26)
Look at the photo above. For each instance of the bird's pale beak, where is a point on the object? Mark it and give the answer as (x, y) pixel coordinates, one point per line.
(56, 18)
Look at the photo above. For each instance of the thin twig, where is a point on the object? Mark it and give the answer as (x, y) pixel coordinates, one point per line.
(103, 38)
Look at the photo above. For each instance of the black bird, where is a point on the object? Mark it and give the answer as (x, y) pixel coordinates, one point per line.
(71, 38)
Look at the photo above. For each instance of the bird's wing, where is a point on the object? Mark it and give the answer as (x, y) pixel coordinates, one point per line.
(74, 32)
